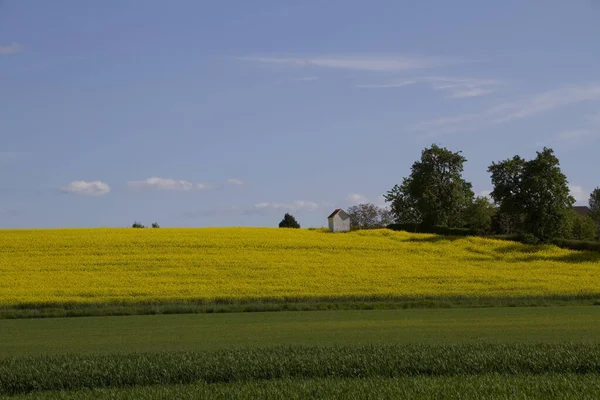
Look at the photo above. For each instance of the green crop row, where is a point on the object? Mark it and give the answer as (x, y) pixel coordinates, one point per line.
(547, 386)
(39, 373)
(67, 310)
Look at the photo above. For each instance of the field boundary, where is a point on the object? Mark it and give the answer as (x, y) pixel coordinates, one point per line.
(70, 310)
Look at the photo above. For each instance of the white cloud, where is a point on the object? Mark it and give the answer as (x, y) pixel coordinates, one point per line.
(357, 198)
(298, 205)
(573, 134)
(306, 78)
(359, 63)
(511, 110)
(380, 202)
(485, 193)
(459, 94)
(8, 49)
(586, 133)
(8, 213)
(233, 181)
(94, 188)
(458, 87)
(162, 184)
(580, 194)
(204, 186)
(388, 85)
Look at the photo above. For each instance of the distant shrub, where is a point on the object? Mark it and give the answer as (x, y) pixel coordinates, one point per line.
(137, 225)
(289, 221)
(155, 225)
(527, 238)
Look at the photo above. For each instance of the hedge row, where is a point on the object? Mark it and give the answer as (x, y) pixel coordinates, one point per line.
(439, 230)
(581, 245)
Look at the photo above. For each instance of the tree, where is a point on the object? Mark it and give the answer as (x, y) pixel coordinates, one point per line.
(435, 193)
(595, 207)
(534, 194)
(289, 221)
(368, 216)
(155, 225)
(479, 214)
(137, 225)
(507, 178)
(582, 227)
(403, 206)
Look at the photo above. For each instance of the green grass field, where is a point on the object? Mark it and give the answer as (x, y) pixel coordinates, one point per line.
(236, 330)
(270, 366)
(475, 387)
(458, 353)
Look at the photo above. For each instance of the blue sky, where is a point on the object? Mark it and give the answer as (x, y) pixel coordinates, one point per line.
(197, 113)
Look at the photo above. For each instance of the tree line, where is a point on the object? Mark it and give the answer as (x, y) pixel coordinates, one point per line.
(529, 197)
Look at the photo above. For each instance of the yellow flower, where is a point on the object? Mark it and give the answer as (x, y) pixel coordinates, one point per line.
(148, 265)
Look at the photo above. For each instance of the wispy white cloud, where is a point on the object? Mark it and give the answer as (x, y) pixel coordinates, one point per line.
(306, 78)
(511, 110)
(581, 195)
(357, 198)
(457, 87)
(587, 132)
(395, 84)
(234, 181)
(204, 186)
(376, 63)
(8, 213)
(92, 188)
(8, 49)
(459, 94)
(298, 205)
(162, 184)
(485, 193)
(573, 134)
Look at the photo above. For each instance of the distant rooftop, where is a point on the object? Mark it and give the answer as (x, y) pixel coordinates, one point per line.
(583, 210)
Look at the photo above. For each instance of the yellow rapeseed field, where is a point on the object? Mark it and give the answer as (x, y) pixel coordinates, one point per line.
(149, 265)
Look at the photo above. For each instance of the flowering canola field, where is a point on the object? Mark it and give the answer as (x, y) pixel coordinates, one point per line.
(238, 264)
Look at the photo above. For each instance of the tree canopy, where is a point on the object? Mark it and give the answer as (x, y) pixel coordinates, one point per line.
(582, 227)
(289, 221)
(595, 205)
(479, 214)
(533, 194)
(435, 192)
(368, 216)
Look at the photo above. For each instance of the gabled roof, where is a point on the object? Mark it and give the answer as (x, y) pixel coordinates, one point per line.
(335, 212)
(582, 210)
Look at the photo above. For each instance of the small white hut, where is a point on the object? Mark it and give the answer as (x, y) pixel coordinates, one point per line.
(339, 221)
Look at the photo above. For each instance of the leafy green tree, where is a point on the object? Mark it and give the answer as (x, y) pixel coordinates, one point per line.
(479, 214)
(582, 227)
(137, 225)
(403, 206)
(289, 221)
(595, 206)
(534, 194)
(155, 225)
(507, 179)
(368, 216)
(435, 193)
